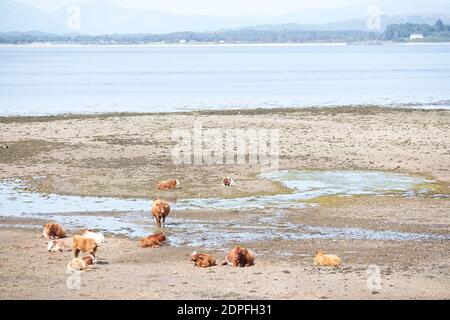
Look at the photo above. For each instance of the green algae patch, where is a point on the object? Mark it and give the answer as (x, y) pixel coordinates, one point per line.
(433, 188)
(332, 200)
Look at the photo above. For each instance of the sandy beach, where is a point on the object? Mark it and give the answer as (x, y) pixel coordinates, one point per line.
(124, 155)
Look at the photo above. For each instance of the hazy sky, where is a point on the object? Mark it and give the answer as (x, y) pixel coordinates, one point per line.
(213, 7)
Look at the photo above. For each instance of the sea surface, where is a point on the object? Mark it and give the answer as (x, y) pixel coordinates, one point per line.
(40, 80)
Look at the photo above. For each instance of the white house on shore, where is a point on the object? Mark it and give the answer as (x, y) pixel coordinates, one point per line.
(415, 36)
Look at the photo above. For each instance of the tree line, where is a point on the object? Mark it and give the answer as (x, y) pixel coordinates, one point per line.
(399, 32)
(396, 32)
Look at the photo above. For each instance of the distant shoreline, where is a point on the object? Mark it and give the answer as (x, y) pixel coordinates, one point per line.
(80, 45)
(155, 45)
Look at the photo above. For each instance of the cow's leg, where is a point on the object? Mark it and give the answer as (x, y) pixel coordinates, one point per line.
(158, 221)
(164, 222)
(76, 252)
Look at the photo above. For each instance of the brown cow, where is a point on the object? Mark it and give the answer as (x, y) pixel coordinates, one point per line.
(153, 240)
(53, 231)
(326, 260)
(167, 184)
(84, 244)
(80, 264)
(240, 257)
(227, 182)
(203, 260)
(160, 210)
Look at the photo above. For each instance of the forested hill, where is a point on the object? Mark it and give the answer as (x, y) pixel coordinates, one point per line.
(399, 32)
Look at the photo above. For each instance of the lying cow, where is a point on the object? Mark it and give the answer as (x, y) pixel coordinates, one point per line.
(203, 260)
(240, 257)
(53, 231)
(153, 240)
(80, 264)
(98, 237)
(326, 260)
(167, 184)
(58, 245)
(227, 182)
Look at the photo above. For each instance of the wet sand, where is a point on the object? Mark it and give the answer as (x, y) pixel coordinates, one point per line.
(124, 155)
(407, 271)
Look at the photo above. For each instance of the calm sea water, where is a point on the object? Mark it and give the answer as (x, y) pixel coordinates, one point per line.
(36, 80)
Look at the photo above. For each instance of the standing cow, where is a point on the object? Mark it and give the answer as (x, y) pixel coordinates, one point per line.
(160, 210)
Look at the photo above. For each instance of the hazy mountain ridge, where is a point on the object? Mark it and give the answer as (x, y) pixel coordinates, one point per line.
(101, 18)
(353, 24)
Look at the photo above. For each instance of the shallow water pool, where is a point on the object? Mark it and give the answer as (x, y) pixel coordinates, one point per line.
(264, 222)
